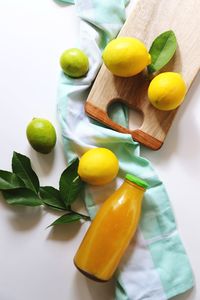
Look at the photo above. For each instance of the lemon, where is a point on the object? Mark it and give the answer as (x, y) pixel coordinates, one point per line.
(126, 56)
(41, 135)
(167, 90)
(74, 62)
(98, 166)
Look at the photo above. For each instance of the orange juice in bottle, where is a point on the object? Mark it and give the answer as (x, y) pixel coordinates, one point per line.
(111, 230)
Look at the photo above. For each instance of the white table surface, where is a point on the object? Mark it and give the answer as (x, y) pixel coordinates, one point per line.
(36, 263)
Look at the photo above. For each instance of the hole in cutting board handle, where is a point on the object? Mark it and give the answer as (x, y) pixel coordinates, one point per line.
(137, 134)
(120, 113)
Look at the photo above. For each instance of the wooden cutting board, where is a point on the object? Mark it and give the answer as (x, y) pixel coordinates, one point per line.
(148, 19)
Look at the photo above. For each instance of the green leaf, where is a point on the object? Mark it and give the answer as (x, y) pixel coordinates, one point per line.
(21, 166)
(162, 50)
(51, 197)
(70, 217)
(70, 184)
(9, 181)
(22, 196)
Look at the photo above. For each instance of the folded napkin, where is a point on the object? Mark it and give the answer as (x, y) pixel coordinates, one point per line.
(155, 266)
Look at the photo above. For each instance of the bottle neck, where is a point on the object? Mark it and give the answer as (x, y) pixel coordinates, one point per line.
(131, 185)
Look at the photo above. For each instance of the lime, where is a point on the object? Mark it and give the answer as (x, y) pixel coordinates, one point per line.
(98, 166)
(74, 62)
(126, 56)
(41, 135)
(167, 91)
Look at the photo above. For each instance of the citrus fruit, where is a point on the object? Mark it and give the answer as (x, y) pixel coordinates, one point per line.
(98, 166)
(126, 56)
(41, 135)
(74, 62)
(167, 90)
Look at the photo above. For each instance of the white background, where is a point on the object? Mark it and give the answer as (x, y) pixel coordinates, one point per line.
(36, 263)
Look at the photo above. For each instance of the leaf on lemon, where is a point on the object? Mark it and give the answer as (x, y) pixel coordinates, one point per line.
(70, 184)
(162, 50)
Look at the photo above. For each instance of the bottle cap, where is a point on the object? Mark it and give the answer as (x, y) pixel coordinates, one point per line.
(137, 180)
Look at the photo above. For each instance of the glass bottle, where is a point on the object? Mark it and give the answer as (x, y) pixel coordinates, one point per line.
(111, 231)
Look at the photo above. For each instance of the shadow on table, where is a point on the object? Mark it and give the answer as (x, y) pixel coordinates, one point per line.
(96, 290)
(45, 162)
(22, 218)
(64, 232)
(190, 295)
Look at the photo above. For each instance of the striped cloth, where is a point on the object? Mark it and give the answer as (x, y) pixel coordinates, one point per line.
(155, 266)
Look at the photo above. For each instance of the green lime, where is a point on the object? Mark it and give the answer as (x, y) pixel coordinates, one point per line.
(74, 62)
(41, 135)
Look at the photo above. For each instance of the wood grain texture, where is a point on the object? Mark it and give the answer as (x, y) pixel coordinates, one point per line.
(148, 19)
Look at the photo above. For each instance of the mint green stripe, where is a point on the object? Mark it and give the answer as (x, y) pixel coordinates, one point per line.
(172, 264)
(155, 225)
(108, 12)
(106, 17)
(118, 112)
(90, 205)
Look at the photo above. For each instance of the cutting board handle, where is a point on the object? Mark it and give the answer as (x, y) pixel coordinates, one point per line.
(137, 134)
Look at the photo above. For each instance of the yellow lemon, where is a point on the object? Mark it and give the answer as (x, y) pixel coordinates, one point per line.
(98, 166)
(126, 56)
(167, 91)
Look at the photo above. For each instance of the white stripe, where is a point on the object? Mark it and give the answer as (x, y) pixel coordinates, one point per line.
(138, 275)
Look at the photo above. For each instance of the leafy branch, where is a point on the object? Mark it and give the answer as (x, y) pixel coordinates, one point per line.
(22, 187)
